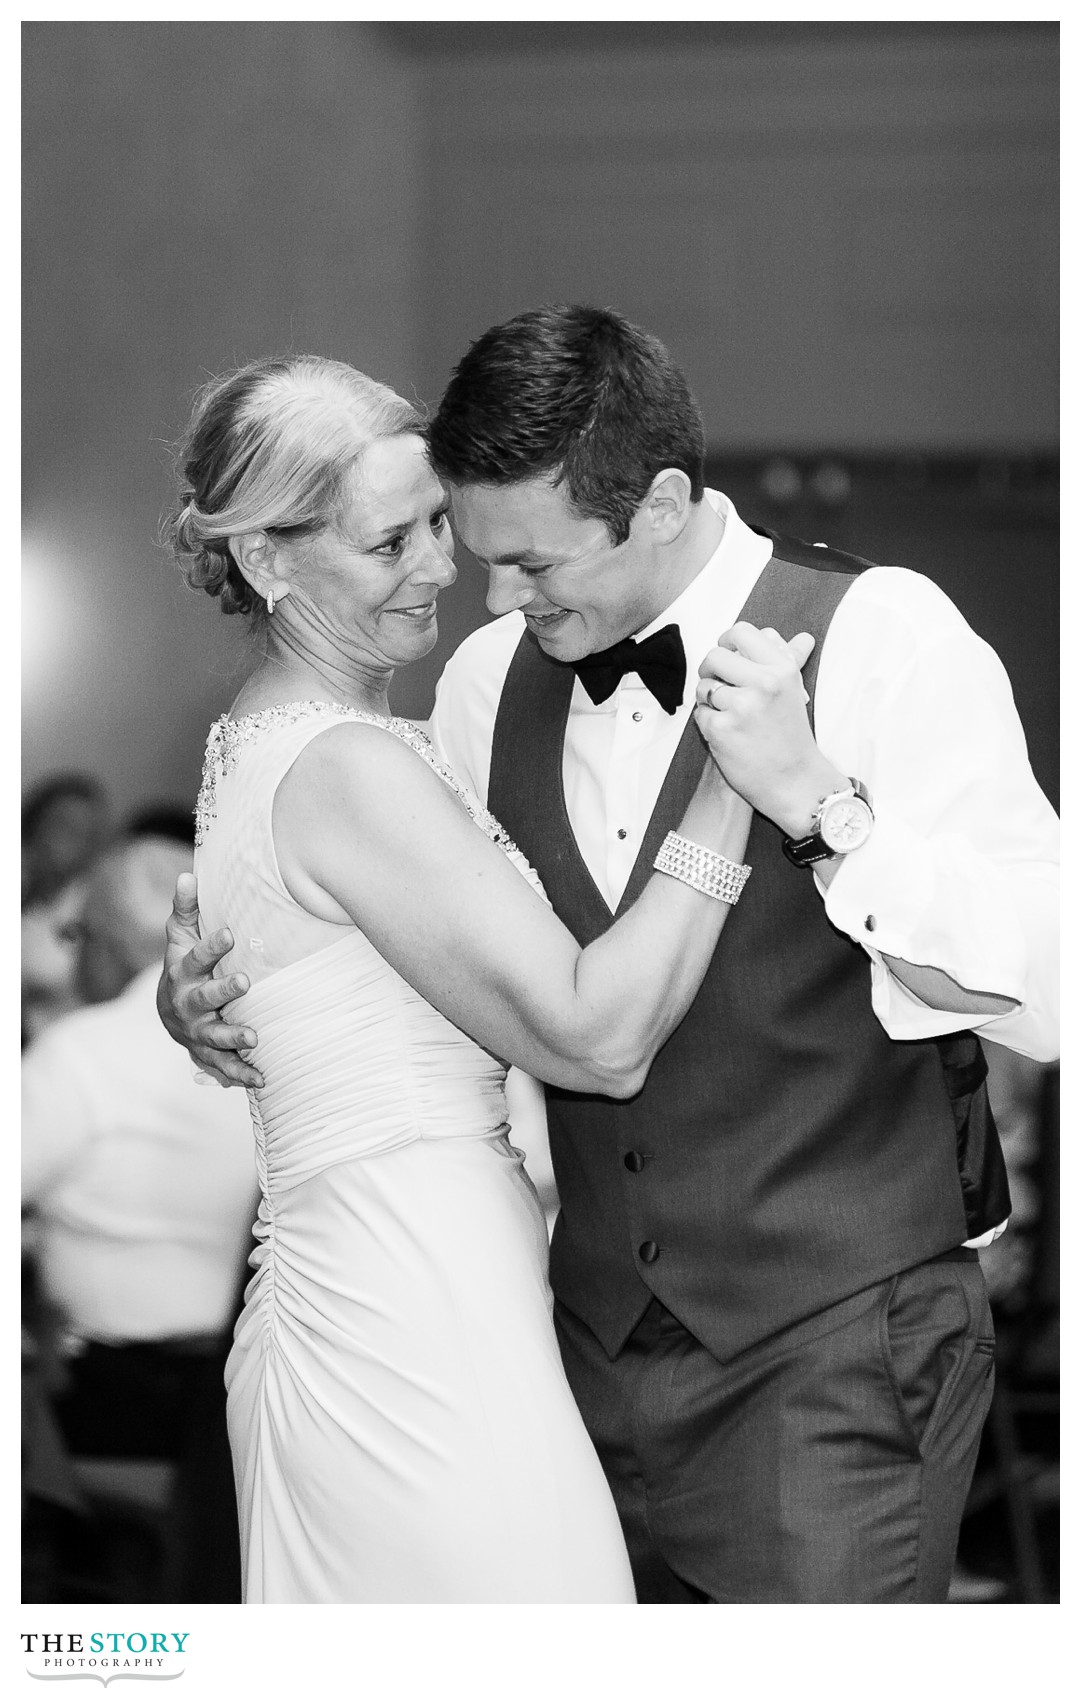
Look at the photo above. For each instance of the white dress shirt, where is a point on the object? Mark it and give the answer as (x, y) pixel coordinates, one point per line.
(960, 872)
(142, 1181)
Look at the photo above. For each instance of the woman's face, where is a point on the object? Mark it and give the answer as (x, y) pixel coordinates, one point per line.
(368, 586)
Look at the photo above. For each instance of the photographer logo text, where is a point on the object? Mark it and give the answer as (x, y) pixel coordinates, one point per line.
(107, 1655)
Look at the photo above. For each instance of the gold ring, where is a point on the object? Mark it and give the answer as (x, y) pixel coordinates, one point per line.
(709, 699)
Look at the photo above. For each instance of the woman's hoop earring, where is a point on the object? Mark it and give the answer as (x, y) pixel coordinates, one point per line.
(270, 602)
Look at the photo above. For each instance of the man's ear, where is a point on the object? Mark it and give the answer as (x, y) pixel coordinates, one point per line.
(667, 504)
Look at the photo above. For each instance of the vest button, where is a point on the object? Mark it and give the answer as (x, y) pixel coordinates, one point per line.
(634, 1161)
(649, 1252)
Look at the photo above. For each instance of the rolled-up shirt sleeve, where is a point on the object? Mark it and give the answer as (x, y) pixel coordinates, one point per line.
(961, 870)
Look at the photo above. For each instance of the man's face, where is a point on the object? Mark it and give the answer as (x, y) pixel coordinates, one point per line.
(578, 591)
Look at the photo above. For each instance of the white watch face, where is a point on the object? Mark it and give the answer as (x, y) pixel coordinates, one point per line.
(846, 824)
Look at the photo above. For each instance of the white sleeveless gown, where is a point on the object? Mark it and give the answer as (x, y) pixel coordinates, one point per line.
(401, 1427)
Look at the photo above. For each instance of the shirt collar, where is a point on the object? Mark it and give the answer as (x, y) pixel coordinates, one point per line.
(712, 600)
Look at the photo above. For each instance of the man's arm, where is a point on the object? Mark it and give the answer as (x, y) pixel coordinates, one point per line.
(754, 721)
(933, 986)
(954, 897)
(191, 1000)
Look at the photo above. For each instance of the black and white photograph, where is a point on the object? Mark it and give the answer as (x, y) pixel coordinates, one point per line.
(540, 909)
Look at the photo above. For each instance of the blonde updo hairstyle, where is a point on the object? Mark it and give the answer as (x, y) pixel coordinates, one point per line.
(269, 448)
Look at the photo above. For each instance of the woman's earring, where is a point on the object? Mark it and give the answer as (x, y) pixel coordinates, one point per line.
(270, 602)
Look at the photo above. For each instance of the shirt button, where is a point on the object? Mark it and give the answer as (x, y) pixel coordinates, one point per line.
(649, 1252)
(870, 923)
(621, 832)
(637, 715)
(634, 1161)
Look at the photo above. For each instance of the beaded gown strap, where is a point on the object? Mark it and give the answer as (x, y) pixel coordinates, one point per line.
(228, 738)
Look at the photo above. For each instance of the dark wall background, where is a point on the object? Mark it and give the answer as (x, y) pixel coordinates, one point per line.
(846, 233)
(195, 195)
(984, 528)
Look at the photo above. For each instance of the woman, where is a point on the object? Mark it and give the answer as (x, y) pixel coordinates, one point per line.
(401, 1426)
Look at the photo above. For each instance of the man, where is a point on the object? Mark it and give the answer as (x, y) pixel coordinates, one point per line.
(775, 1329)
(141, 1183)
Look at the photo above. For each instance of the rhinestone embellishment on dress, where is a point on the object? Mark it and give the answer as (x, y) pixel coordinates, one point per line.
(228, 737)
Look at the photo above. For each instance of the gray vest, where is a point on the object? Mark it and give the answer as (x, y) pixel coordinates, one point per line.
(784, 1152)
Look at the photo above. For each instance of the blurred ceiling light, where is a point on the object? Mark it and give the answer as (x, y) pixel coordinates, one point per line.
(831, 484)
(780, 481)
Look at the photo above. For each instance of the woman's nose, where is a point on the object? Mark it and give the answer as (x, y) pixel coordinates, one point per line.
(438, 567)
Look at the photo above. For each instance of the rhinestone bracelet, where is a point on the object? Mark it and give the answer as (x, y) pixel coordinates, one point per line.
(703, 869)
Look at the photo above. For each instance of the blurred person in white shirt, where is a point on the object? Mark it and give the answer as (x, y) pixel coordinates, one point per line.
(140, 1182)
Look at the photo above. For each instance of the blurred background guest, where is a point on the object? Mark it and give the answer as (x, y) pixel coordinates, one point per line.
(50, 946)
(140, 1185)
(1009, 1541)
(65, 819)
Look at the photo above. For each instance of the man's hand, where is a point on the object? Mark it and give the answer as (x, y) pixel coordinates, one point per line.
(752, 712)
(190, 999)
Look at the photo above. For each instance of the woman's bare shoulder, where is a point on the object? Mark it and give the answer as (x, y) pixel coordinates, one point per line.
(364, 765)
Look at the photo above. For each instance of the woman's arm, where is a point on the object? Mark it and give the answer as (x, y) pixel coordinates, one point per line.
(397, 854)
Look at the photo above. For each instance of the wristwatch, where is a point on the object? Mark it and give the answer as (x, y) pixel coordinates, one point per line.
(841, 823)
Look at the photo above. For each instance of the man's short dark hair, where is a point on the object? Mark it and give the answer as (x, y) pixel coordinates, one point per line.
(577, 392)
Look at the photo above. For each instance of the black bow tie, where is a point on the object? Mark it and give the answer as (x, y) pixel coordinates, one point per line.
(659, 662)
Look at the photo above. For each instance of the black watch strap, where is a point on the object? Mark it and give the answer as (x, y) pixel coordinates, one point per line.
(804, 852)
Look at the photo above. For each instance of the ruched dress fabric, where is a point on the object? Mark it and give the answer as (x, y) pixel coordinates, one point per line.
(401, 1427)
